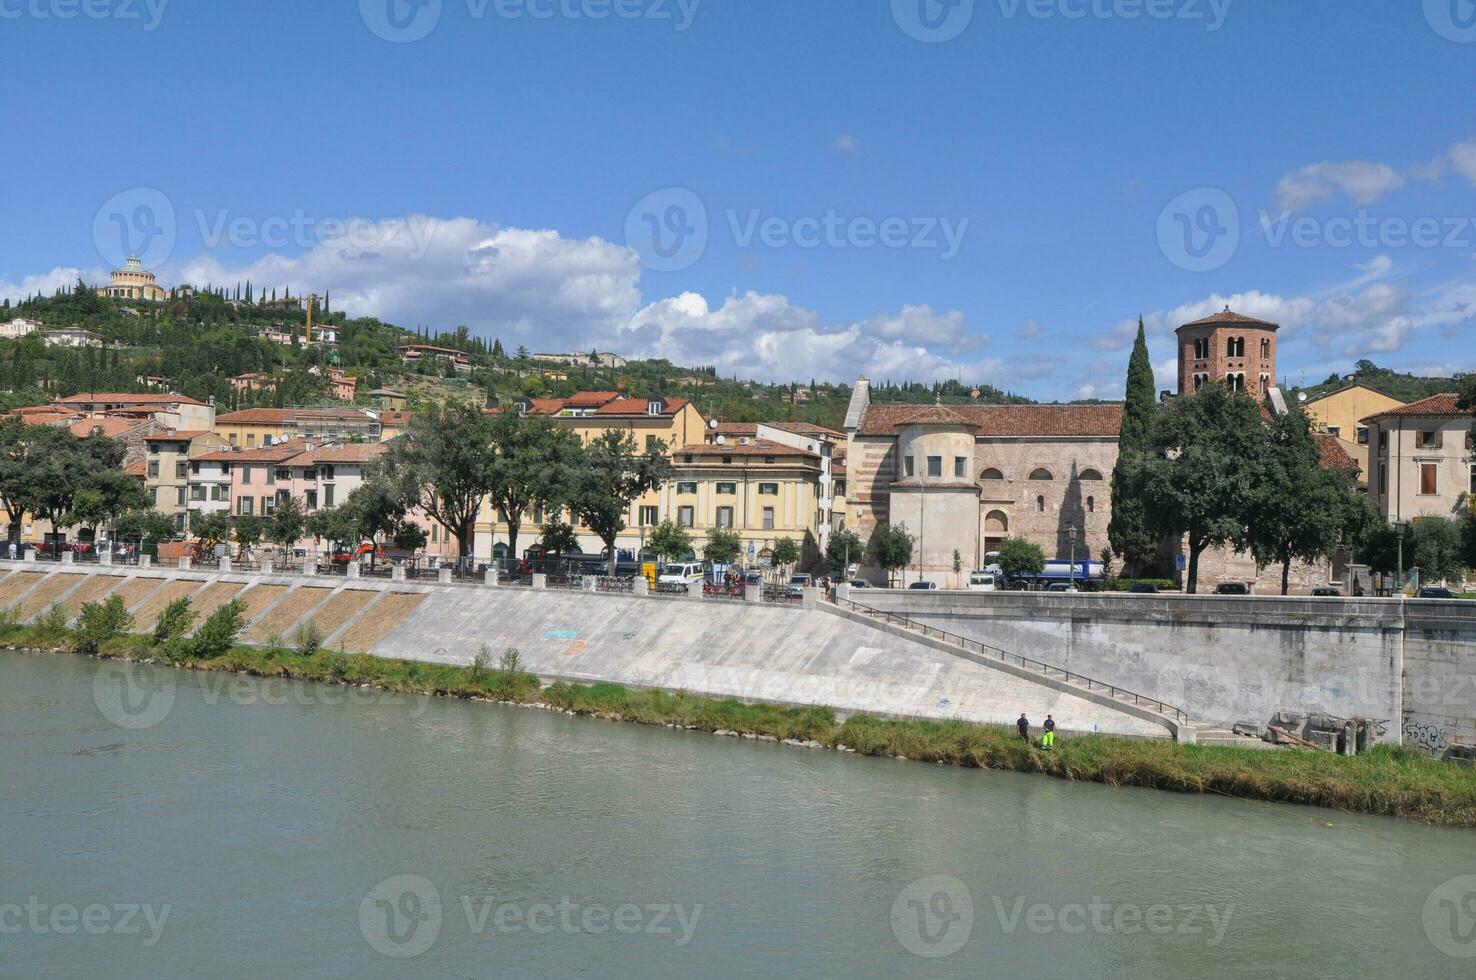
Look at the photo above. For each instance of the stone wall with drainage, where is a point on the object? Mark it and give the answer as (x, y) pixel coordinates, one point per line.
(1411, 663)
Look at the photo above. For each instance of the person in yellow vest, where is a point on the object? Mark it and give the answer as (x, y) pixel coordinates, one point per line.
(1048, 740)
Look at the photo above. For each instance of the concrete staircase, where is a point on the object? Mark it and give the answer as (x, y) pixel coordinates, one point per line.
(1174, 719)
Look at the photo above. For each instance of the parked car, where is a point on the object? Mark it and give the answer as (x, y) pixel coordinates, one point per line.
(1327, 591)
(686, 574)
(985, 581)
(923, 586)
(1232, 588)
(859, 583)
(1435, 592)
(798, 584)
(1061, 587)
(1143, 588)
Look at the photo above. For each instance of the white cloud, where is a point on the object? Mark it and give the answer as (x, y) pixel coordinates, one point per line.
(1360, 180)
(847, 143)
(1462, 158)
(47, 283)
(1030, 331)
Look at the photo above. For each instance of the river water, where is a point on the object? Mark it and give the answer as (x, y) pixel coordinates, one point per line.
(161, 823)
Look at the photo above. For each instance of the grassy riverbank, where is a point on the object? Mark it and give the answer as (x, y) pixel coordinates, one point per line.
(1390, 781)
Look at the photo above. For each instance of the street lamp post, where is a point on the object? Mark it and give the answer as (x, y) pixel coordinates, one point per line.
(1071, 536)
(1399, 575)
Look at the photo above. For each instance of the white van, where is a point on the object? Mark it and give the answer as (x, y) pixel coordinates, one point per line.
(686, 574)
(983, 582)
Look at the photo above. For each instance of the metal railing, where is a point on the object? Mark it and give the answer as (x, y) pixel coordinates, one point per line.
(1004, 656)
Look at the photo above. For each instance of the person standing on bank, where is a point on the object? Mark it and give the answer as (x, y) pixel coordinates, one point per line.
(1023, 726)
(1049, 739)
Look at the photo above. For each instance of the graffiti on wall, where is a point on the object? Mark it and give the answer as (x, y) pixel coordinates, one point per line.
(1428, 737)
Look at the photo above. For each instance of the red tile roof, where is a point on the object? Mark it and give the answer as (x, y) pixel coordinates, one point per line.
(1333, 456)
(758, 447)
(125, 398)
(1228, 316)
(110, 427)
(353, 452)
(806, 429)
(1002, 420)
(137, 468)
(1443, 404)
(734, 429)
(590, 399)
(637, 406)
(279, 453)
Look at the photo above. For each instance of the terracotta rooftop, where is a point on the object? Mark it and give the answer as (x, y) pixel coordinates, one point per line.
(590, 399)
(734, 429)
(138, 468)
(1002, 420)
(1333, 456)
(353, 452)
(1443, 404)
(125, 398)
(1227, 316)
(806, 429)
(279, 453)
(758, 447)
(276, 416)
(110, 427)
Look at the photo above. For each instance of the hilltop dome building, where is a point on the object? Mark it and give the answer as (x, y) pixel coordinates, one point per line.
(133, 281)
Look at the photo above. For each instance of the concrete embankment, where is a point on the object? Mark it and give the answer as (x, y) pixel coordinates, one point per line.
(1225, 659)
(779, 654)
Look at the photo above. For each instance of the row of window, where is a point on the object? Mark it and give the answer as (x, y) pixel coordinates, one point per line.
(960, 470)
(729, 489)
(1234, 380)
(687, 517)
(1234, 347)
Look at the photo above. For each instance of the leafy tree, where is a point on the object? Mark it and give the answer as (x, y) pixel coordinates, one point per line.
(843, 549)
(1019, 557)
(614, 475)
(174, 621)
(249, 532)
(559, 537)
(1131, 537)
(99, 622)
(287, 524)
(1435, 545)
(497, 351)
(533, 465)
(339, 526)
(670, 540)
(786, 552)
(891, 548)
(723, 546)
(43, 467)
(105, 495)
(1197, 482)
(219, 631)
(410, 537)
(138, 526)
(212, 528)
(443, 467)
(1299, 509)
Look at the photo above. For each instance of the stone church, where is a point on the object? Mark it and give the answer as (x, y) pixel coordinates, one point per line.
(962, 478)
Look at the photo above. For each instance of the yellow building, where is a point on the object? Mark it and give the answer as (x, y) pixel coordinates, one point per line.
(667, 423)
(252, 428)
(133, 281)
(167, 469)
(1340, 414)
(762, 490)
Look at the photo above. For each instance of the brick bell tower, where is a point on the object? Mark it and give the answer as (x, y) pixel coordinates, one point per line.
(1228, 347)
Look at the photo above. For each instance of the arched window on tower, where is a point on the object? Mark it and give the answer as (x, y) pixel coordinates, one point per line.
(1265, 348)
(991, 474)
(1091, 474)
(1041, 474)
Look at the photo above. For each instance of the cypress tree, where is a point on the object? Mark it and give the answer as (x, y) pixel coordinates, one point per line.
(1128, 530)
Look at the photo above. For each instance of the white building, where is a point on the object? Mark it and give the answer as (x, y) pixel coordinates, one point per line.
(18, 328)
(71, 337)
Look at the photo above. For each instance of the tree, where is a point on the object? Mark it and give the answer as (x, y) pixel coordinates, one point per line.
(1019, 557)
(99, 622)
(143, 525)
(287, 524)
(532, 467)
(339, 526)
(1436, 547)
(1128, 530)
(1197, 482)
(497, 352)
(1298, 508)
(844, 549)
(104, 496)
(249, 532)
(211, 529)
(219, 631)
(670, 540)
(723, 546)
(559, 537)
(891, 548)
(614, 475)
(443, 467)
(42, 467)
(786, 552)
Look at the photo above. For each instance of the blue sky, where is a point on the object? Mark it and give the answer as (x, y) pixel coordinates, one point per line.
(836, 188)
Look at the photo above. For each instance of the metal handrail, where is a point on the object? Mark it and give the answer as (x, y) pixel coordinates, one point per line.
(1113, 691)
